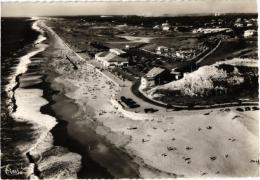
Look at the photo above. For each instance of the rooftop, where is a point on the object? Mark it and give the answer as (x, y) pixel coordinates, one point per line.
(154, 72)
(103, 54)
(117, 51)
(111, 57)
(250, 30)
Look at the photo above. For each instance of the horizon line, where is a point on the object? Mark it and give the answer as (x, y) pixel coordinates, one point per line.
(141, 15)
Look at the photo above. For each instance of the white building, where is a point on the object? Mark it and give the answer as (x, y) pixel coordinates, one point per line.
(161, 49)
(156, 27)
(177, 75)
(117, 51)
(110, 59)
(127, 46)
(249, 25)
(250, 33)
(217, 14)
(212, 30)
(239, 25)
(180, 54)
(151, 78)
(165, 26)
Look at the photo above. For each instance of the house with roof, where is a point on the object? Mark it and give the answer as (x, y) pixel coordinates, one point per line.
(239, 25)
(154, 77)
(117, 51)
(161, 50)
(156, 27)
(176, 74)
(165, 26)
(250, 33)
(212, 30)
(158, 76)
(111, 59)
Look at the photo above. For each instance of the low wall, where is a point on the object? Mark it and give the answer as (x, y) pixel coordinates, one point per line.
(197, 107)
(144, 94)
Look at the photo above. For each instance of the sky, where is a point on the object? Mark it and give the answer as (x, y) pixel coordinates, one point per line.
(174, 7)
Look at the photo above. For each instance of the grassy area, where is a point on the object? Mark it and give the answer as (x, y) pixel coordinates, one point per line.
(229, 49)
(179, 41)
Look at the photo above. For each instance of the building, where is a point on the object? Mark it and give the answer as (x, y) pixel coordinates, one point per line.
(250, 33)
(238, 25)
(152, 78)
(156, 27)
(184, 54)
(212, 30)
(158, 76)
(165, 26)
(176, 74)
(117, 51)
(180, 54)
(161, 50)
(249, 24)
(217, 14)
(110, 59)
(127, 47)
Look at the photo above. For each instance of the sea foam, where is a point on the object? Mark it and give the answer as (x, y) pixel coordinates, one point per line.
(23, 66)
(29, 103)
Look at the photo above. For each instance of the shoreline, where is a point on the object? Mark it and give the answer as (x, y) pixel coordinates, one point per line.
(11, 89)
(15, 132)
(27, 90)
(50, 159)
(98, 138)
(61, 137)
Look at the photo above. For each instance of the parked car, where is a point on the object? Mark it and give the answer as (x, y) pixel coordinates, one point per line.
(129, 102)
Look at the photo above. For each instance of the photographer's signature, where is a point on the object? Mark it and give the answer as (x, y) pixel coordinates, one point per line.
(12, 171)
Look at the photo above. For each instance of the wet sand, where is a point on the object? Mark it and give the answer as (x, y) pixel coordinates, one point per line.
(64, 109)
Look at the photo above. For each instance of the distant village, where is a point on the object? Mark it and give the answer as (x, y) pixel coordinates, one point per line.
(156, 73)
(154, 61)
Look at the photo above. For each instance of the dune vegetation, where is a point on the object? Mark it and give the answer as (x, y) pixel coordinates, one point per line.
(214, 80)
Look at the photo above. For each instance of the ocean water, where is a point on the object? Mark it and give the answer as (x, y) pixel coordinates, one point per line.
(26, 118)
(30, 143)
(17, 38)
(23, 126)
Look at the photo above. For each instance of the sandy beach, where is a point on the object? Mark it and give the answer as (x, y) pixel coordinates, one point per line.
(218, 142)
